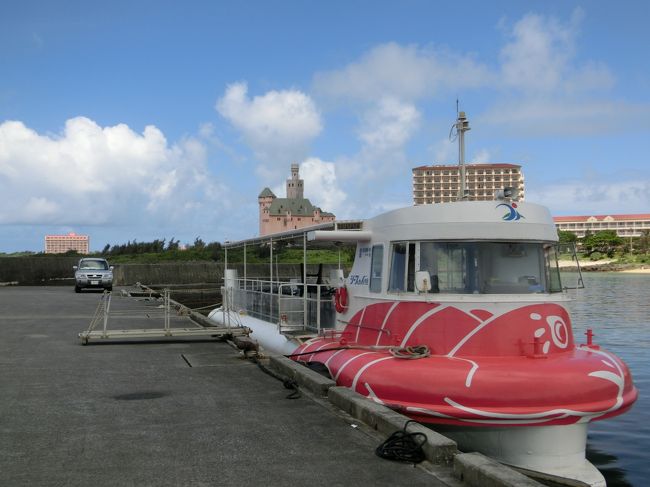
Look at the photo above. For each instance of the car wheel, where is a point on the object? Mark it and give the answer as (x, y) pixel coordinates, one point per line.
(77, 289)
(109, 288)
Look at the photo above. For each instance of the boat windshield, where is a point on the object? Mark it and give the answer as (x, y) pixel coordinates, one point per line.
(476, 267)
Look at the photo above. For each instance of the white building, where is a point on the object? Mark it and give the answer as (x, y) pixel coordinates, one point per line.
(441, 183)
(624, 225)
(60, 244)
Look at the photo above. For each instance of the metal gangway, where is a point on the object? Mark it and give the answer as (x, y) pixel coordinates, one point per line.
(157, 310)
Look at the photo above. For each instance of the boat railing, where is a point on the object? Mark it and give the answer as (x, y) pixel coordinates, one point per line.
(293, 306)
(306, 307)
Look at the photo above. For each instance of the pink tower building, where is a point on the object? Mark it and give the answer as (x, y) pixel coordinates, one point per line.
(290, 213)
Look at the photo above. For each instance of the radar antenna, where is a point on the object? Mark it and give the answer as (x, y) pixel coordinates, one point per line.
(458, 129)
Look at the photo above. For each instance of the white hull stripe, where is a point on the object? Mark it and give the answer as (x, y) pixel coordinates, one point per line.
(348, 362)
(359, 325)
(386, 320)
(324, 345)
(419, 321)
(372, 395)
(332, 356)
(363, 369)
(471, 334)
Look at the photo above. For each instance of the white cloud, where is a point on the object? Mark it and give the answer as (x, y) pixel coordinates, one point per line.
(556, 117)
(482, 156)
(278, 125)
(389, 124)
(322, 186)
(540, 58)
(92, 175)
(405, 72)
(537, 57)
(445, 151)
(547, 91)
(587, 197)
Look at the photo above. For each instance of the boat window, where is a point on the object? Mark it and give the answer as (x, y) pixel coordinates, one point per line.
(511, 268)
(552, 269)
(451, 265)
(476, 267)
(376, 268)
(402, 268)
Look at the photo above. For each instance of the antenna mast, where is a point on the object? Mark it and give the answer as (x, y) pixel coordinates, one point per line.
(462, 126)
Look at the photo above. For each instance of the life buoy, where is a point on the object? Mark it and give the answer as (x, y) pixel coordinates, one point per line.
(341, 299)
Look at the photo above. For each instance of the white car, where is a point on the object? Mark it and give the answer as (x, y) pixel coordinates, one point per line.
(93, 272)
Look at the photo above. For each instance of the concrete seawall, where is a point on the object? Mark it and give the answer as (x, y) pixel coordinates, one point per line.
(52, 270)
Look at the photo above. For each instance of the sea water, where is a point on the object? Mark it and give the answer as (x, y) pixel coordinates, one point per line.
(616, 306)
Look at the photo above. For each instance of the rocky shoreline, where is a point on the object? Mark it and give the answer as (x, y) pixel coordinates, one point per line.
(605, 266)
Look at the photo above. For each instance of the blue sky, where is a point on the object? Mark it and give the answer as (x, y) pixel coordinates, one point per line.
(159, 119)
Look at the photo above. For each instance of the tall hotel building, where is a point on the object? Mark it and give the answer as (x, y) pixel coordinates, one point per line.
(60, 244)
(440, 184)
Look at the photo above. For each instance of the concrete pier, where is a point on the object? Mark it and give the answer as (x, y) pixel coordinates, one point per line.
(138, 414)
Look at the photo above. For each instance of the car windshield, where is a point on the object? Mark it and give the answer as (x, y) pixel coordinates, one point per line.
(93, 264)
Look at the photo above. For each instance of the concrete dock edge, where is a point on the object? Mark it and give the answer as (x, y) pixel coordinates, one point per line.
(306, 378)
(477, 470)
(473, 469)
(438, 449)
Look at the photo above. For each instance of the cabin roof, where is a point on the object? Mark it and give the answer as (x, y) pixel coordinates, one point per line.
(298, 234)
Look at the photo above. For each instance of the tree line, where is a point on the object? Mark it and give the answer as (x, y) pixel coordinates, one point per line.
(199, 248)
(606, 243)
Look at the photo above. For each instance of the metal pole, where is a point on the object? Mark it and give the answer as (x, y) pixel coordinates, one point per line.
(271, 279)
(304, 280)
(318, 309)
(461, 157)
(244, 264)
(166, 301)
(462, 126)
(107, 307)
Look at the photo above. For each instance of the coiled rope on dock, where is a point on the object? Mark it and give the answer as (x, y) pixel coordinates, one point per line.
(403, 447)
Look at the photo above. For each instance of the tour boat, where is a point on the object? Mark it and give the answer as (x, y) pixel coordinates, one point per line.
(454, 315)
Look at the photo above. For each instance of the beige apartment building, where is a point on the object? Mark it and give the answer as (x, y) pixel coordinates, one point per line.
(441, 183)
(290, 213)
(624, 225)
(60, 244)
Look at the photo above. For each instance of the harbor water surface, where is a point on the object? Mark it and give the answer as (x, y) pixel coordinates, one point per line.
(617, 307)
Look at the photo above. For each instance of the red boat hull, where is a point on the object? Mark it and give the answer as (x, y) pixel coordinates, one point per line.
(519, 368)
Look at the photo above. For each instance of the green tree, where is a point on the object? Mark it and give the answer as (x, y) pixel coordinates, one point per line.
(198, 244)
(214, 250)
(567, 237)
(604, 242)
(644, 241)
